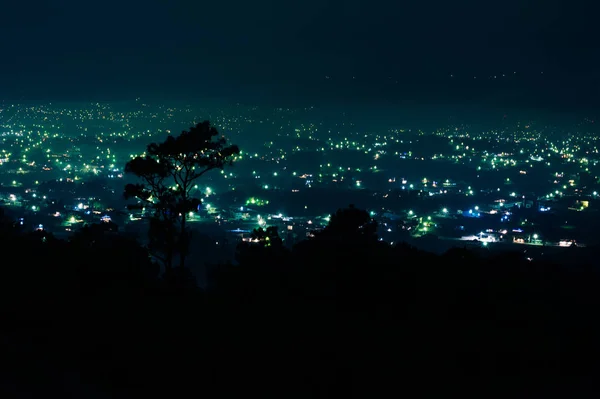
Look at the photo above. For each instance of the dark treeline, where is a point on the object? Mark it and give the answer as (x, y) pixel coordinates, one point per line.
(340, 314)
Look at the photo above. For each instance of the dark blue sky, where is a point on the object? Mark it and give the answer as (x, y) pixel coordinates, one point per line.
(373, 50)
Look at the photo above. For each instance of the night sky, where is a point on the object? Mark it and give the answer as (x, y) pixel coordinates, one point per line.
(311, 50)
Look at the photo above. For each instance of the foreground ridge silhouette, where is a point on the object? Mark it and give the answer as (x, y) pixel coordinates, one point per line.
(341, 313)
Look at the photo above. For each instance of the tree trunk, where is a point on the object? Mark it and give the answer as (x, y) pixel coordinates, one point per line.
(182, 242)
(169, 260)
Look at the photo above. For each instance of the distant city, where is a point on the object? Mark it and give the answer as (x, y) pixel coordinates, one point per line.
(520, 183)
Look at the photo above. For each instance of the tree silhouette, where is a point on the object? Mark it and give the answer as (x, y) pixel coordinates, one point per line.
(168, 172)
(265, 245)
(91, 235)
(261, 271)
(267, 237)
(351, 223)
